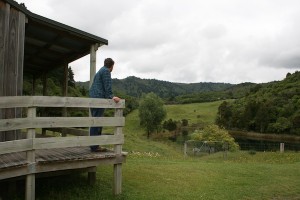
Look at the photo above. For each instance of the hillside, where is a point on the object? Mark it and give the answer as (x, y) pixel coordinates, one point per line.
(135, 87)
(232, 92)
(269, 108)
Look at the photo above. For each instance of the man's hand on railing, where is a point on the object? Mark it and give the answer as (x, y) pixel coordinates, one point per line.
(116, 99)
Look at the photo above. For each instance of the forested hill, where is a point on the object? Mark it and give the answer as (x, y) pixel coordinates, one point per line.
(269, 108)
(233, 92)
(135, 87)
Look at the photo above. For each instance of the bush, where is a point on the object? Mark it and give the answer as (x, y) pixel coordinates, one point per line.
(213, 133)
(252, 152)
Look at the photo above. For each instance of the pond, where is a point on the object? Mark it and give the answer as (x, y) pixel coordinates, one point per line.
(265, 145)
(265, 142)
(252, 142)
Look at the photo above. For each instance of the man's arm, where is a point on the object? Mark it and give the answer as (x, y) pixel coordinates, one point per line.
(107, 85)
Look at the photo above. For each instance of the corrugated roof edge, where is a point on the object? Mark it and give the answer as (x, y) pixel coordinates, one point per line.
(53, 23)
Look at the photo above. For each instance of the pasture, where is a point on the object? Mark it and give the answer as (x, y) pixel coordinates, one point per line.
(151, 176)
(158, 170)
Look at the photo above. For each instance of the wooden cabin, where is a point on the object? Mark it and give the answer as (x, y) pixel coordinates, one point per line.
(35, 45)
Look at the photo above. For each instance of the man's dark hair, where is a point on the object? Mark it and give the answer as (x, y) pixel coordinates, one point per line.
(108, 62)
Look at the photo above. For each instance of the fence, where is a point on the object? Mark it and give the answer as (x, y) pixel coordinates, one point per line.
(31, 145)
(200, 148)
(271, 146)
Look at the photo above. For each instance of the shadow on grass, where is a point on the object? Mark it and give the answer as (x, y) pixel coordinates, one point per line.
(71, 186)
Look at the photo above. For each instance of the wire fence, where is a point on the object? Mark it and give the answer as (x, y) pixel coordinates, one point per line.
(269, 146)
(201, 148)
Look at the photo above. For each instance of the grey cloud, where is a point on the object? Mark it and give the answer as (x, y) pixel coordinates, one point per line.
(188, 41)
(214, 31)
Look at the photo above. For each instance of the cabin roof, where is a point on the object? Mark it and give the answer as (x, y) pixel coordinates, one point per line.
(50, 44)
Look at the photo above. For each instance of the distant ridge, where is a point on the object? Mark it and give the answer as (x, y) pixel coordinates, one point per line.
(135, 87)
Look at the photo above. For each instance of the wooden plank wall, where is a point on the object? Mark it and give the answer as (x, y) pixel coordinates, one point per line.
(12, 37)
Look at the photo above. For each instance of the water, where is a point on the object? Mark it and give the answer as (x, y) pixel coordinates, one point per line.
(265, 145)
(247, 143)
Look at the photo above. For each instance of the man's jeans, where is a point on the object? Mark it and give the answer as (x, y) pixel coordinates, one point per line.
(94, 131)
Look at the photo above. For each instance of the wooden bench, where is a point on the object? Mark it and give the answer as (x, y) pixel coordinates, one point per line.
(32, 156)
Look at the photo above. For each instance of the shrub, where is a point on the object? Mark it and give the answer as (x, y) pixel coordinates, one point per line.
(214, 133)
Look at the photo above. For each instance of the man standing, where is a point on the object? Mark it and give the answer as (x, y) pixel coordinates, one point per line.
(101, 88)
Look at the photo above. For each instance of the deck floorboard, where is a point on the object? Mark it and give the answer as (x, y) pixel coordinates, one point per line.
(53, 155)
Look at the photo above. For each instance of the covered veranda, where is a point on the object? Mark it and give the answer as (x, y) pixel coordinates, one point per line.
(34, 45)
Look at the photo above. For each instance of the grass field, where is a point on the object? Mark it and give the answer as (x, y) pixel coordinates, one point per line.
(203, 112)
(240, 176)
(158, 170)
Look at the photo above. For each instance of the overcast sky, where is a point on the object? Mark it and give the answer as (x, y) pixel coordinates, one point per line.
(186, 41)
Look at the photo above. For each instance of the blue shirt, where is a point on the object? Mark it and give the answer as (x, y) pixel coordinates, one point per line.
(101, 87)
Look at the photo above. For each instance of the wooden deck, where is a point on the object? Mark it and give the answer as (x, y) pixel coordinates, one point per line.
(55, 159)
(32, 156)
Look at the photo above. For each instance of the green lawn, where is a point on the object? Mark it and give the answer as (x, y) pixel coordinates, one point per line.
(240, 176)
(195, 112)
(158, 170)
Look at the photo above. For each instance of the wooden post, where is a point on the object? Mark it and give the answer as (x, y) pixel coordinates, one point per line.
(226, 147)
(45, 93)
(65, 93)
(4, 34)
(20, 64)
(12, 37)
(20, 53)
(185, 149)
(92, 175)
(30, 178)
(281, 147)
(93, 59)
(118, 151)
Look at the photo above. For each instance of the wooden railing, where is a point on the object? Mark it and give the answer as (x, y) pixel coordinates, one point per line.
(32, 122)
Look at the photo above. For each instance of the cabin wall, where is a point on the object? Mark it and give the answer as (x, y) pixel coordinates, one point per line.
(12, 37)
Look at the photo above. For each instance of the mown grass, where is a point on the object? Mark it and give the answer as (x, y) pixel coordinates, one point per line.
(158, 170)
(240, 176)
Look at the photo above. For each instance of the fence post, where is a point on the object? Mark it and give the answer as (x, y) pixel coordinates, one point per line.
(281, 147)
(30, 178)
(118, 151)
(185, 149)
(226, 147)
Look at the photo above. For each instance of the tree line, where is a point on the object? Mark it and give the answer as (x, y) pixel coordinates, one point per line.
(268, 108)
(168, 91)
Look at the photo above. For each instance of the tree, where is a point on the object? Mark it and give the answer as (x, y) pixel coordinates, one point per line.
(224, 115)
(170, 125)
(151, 112)
(212, 133)
(250, 113)
(262, 117)
(184, 122)
(71, 81)
(282, 125)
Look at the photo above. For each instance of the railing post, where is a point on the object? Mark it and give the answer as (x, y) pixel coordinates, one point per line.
(30, 178)
(65, 94)
(118, 151)
(93, 58)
